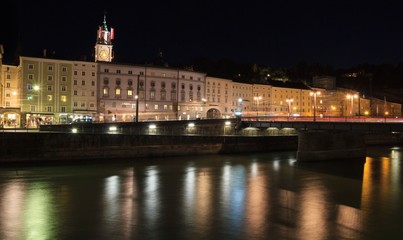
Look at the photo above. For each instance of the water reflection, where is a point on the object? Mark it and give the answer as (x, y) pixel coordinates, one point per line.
(262, 196)
(11, 209)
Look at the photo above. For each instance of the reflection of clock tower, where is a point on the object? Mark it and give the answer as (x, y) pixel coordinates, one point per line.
(103, 47)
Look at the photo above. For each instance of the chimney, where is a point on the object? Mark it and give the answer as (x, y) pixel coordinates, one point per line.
(44, 53)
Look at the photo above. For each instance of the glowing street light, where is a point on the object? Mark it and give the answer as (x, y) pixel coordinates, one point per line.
(289, 101)
(257, 106)
(314, 94)
(351, 97)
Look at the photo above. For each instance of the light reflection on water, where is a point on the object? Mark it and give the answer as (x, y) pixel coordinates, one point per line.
(256, 196)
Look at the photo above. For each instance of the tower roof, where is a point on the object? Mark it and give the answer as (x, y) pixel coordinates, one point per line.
(105, 27)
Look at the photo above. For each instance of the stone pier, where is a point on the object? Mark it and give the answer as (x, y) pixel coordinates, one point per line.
(323, 145)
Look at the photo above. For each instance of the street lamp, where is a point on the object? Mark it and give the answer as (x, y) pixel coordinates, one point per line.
(238, 111)
(257, 106)
(314, 94)
(34, 92)
(351, 97)
(289, 101)
(137, 99)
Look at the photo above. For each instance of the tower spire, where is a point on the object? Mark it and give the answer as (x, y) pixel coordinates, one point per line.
(104, 22)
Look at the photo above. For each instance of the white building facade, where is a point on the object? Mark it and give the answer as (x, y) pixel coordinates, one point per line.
(131, 92)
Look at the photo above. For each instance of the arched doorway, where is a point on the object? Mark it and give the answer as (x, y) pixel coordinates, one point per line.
(213, 113)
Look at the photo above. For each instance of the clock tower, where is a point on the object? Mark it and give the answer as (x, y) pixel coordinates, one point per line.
(103, 46)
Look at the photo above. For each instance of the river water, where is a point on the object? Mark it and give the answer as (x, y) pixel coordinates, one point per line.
(249, 196)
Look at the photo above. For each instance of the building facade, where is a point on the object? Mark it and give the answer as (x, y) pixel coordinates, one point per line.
(46, 90)
(84, 90)
(219, 98)
(130, 92)
(10, 107)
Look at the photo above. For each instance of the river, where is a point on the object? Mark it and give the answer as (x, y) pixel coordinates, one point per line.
(243, 196)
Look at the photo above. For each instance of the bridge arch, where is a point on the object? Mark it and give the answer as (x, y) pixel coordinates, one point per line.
(213, 113)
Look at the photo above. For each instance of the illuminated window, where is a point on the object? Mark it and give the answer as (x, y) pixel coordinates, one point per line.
(50, 97)
(129, 93)
(117, 91)
(105, 91)
(63, 98)
(156, 107)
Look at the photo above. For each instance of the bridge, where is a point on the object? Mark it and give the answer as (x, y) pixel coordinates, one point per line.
(317, 140)
(334, 140)
(355, 126)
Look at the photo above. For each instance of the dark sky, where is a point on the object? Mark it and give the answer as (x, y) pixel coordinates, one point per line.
(274, 33)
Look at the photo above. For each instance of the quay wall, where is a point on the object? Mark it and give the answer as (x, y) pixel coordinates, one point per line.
(54, 147)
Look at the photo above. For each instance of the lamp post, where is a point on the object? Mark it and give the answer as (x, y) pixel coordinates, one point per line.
(137, 99)
(238, 112)
(289, 101)
(351, 97)
(314, 94)
(257, 106)
(36, 89)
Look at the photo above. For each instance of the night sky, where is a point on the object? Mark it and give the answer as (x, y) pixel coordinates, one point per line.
(273, 33)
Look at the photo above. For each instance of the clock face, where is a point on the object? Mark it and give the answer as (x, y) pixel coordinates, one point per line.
(103, 55)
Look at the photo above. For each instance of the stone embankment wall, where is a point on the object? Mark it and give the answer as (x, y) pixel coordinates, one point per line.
(53, 147)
